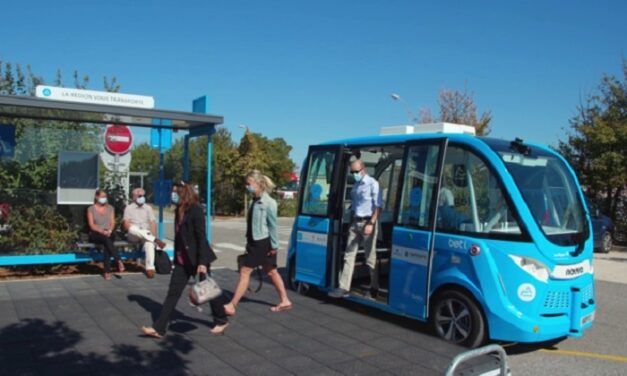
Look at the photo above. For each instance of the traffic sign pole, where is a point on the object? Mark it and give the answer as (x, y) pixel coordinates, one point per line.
(161, 179)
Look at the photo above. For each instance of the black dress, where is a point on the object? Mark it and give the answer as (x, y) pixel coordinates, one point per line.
(257, 250)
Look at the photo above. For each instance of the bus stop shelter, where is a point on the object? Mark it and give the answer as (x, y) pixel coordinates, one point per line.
(196, 123)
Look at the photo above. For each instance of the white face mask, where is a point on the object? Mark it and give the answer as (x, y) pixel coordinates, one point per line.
(102, 200)
(141, 200)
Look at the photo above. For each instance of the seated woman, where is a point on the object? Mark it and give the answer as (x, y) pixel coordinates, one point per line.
(101, 221)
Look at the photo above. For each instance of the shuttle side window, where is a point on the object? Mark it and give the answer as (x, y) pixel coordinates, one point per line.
(419, 186)
(471, 199)
(318, 183)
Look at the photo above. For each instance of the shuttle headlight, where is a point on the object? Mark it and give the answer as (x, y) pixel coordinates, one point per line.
(533, 267)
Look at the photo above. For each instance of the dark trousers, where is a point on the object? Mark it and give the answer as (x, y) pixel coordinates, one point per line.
(108, 250)
(178, 282)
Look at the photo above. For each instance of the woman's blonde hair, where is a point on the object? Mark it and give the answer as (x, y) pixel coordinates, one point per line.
(264, 182)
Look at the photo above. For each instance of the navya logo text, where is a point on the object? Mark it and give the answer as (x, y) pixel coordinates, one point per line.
(526, 292)
(47, 92)
(574, 271)
(457, 244)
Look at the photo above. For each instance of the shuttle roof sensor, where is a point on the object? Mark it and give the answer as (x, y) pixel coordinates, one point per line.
(428, 128)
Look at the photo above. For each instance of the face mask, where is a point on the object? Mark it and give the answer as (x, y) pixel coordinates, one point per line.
(175, 198)
(141, 200)
(250, 189)
(102, 200)
(357, 176)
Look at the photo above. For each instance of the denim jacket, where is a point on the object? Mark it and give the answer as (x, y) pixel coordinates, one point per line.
(265, 219)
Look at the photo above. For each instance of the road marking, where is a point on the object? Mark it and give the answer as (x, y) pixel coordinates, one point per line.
(230, 246)
(614, 358)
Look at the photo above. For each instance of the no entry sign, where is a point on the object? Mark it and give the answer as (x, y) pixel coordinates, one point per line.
(118, 139)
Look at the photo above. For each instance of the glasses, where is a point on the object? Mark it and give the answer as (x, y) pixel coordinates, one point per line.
(141, 196)
(356, 171)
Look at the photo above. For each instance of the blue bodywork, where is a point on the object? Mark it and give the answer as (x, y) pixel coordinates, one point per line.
(516, 305)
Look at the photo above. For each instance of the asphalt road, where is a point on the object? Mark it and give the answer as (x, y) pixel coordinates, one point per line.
(602, 350)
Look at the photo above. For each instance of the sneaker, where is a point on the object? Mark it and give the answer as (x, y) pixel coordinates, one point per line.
(338, 293)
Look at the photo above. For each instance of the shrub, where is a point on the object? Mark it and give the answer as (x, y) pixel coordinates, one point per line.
(37, 229)
(287, 208)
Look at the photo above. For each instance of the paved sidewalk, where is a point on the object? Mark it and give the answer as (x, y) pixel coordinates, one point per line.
(74, 326)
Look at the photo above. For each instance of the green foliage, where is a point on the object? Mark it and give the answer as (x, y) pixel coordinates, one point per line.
(596, 145)
(287, 208)
(230, 163)
(145, 158)
(37, 229)
(28, 181)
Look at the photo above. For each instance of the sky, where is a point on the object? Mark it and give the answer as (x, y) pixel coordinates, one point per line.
(314, 71)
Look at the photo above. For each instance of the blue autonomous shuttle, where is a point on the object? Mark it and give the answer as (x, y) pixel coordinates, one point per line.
(486, 239)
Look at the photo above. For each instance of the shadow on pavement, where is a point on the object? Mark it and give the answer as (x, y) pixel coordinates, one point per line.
(34, 346)
(154, 308)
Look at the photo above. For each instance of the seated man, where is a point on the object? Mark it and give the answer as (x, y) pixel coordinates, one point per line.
(139, 221)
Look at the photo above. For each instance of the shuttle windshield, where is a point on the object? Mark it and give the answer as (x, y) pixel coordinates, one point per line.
(548, 188)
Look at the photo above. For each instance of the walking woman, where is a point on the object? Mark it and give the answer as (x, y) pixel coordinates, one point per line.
(192, 255)
(101, 221)
(262, 242)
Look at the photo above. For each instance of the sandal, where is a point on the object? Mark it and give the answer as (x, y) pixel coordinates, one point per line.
(121, 267)
(106, 276)
(281, 308)
(150, 332)
(218, 330)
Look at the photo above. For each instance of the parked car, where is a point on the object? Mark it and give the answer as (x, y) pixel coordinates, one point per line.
(602, 228)
(289, 191)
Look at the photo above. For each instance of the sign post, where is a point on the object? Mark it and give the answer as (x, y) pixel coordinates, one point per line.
(118, 140)
(201, 105)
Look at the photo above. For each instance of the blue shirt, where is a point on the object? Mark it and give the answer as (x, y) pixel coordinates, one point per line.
(366, 197)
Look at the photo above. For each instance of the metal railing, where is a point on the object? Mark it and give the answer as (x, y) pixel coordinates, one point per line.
(472, 354)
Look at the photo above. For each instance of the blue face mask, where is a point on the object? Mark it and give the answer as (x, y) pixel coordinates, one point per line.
(141, 200)
(102, 200)
(357, 176)
(250, 189)
(175, 198)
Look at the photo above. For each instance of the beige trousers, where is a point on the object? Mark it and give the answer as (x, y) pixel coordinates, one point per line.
(138, 235)
(355, 237)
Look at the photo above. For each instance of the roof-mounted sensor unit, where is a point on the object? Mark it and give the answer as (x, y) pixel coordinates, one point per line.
(428, 128)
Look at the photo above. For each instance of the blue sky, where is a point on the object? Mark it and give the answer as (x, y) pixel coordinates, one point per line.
(311, 71)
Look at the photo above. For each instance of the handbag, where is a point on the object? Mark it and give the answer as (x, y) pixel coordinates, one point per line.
(163, 264)
(204, 289)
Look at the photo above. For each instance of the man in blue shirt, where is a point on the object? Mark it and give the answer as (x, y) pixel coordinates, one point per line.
(365, 209)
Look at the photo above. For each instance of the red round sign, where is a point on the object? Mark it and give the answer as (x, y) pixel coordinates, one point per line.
(118, 139)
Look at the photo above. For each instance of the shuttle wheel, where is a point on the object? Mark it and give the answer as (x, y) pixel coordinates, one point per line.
(458, 319)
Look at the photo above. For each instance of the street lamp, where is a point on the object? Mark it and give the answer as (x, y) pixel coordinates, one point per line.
(410, 114)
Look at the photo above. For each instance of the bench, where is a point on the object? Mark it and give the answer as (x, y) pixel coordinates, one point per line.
(92, 252)
(119, 244)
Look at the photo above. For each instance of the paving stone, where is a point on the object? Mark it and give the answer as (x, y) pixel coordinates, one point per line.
(356, 367)
(94, 326)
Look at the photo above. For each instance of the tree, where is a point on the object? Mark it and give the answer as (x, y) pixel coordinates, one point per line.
(459, 107)
(28, 179)
(596, 144)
